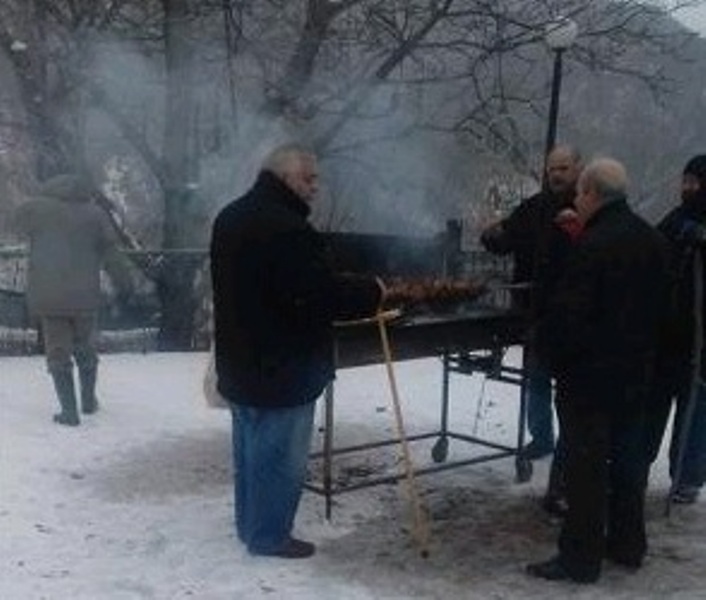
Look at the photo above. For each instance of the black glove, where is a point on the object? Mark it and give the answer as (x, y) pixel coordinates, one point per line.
(692, 233)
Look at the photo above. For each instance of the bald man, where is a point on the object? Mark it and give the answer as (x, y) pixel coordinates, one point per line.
(599, 337)
(539, 246)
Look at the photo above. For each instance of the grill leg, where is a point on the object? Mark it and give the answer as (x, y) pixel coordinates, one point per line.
(441, 448)
(328, 449)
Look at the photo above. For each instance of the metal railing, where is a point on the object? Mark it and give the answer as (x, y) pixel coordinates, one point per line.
(133, 326)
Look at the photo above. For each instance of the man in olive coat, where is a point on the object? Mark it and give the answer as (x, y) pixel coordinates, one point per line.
(70, 238)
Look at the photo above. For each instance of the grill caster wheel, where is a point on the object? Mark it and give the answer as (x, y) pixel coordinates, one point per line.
(523, 470)
(440, 450)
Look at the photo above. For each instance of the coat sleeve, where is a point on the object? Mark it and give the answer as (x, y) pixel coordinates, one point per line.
(307, 290)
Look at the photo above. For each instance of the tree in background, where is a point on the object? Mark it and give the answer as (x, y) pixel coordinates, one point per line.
(407, 102)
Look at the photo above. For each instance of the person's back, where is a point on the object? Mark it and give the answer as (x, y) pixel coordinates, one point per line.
(618, 337)
(69, 240)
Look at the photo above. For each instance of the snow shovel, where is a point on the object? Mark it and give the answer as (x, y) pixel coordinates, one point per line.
(420, 530)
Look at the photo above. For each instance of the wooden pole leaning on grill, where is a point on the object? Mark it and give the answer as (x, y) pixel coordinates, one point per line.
(420, 529)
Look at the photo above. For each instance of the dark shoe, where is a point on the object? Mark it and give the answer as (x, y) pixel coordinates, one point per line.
(67, 419)
(65, 391)
(87, 378)
(535, 450)
(89, 406)
(630, 563)
(556, 506)
(686, 494)
(292, 548)
(554, 570)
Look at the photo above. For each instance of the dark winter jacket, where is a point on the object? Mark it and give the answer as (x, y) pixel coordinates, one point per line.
(602, 324)
(539, 247)
(275, 298)
(677, 342)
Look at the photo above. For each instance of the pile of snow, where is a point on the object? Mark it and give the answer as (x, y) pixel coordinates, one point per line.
(137, 502)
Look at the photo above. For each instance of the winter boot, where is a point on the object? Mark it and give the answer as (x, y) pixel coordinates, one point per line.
(64, 385)
(89, 403)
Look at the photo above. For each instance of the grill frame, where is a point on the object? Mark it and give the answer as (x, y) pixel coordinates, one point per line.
(471, 339)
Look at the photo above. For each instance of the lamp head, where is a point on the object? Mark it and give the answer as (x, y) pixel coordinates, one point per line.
(561, 34)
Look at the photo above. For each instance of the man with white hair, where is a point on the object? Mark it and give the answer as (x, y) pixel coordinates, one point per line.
(275, 298)
(599, 338)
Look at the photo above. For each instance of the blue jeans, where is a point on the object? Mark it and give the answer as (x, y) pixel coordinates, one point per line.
(693, 466)
(270, 453)
(539, 408)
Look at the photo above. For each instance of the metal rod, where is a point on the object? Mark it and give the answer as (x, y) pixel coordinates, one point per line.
(553, 106)
(328, 448)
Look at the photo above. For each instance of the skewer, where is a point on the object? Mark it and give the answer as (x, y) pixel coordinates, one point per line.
(420, 529)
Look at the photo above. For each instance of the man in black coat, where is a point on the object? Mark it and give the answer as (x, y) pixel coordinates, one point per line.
(599, 337)
(539, 247)
(275, 298)
(685, 228)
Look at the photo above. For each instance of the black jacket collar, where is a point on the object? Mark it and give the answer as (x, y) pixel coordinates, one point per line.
(270, 188)
(612, 207)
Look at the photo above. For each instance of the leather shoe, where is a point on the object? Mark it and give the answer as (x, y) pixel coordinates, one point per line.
(554, 570)
(535, 450)
(686, 494)
(292, 548)
(627, 562)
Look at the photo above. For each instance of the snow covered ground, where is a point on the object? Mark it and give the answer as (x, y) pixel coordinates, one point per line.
(137, 502)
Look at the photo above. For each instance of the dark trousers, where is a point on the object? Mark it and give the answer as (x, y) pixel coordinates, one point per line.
(540, 413)
(606, 477)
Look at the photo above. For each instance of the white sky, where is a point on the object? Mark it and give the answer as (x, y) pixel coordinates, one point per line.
(694, 18)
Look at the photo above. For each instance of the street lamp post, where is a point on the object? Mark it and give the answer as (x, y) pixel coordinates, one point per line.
(559, 36)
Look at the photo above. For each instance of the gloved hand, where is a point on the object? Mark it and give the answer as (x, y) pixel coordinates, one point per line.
(568, 221)
(693, 233)
(493, 238)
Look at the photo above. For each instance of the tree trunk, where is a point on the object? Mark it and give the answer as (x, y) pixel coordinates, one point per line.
(175, 284)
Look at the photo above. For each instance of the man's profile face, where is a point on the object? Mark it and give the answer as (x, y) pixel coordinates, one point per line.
(562, 171)
(304, 178)
(690, 186)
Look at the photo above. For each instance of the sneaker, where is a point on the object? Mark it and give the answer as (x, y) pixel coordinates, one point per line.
(534, 450)
(292, 548)
(686, 494)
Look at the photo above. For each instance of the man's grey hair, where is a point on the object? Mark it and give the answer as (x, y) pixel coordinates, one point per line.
(607, 177)
(286, 159)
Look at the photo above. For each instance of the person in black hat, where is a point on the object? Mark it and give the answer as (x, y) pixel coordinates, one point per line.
(677, 379)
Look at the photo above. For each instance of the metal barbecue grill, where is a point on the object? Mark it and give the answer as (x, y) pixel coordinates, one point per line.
(469, 337)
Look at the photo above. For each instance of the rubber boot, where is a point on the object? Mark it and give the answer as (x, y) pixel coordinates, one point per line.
(65, 391)
(89, 403)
